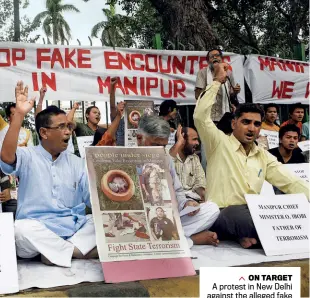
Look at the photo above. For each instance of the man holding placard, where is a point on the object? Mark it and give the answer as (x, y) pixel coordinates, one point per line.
(288, 151)
(244, 165)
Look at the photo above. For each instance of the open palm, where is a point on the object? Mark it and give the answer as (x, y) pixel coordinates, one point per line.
(23, 104)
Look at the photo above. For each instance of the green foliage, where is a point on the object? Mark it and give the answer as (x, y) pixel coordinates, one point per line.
(53, 23)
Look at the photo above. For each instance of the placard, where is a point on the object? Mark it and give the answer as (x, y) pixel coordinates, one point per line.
(8, 262)
(282, 223)
(304, 145)
(272, 138)
(301, 170)
(84, 142)
(134, 110)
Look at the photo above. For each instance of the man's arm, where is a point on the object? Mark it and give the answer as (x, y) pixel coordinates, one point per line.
(115, 123)
(23, 106)
(40, 102)
(70, 115)
(179, 145)
(283, 179)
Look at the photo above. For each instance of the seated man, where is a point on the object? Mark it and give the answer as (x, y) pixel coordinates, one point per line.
(288, 151)
(154, 131)
(187, 163)
(53, 190)
(236, 165)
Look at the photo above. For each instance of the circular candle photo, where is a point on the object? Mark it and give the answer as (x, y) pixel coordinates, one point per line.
(117, 186)
(134, 118)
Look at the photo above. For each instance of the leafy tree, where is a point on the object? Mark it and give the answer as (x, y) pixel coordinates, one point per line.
(53, 23)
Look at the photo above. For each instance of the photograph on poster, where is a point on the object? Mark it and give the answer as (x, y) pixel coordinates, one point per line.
(125, 227)
(162, 224)
(154, 185)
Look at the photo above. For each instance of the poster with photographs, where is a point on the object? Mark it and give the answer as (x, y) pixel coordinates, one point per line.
(135, 210)
(134, 111)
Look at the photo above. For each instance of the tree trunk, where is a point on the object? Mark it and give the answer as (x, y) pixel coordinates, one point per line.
(16, 21)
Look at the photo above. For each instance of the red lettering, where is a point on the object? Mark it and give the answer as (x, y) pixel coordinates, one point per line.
(150, 85)
(288, 87)
(203, 62)
(48, 81)
(178, 64)
(124, 61)
(289, 65)
(307, 90)
(103, 84)
(162, 91)
(57, 58)
(110, 62)
(179, 89)
(8, 58)
(142, 86)
(42, 58)
(265, 63)
(274, 62)
(192, 60)
(277, 90)
(132, 86)
(168, 65)
(133, 62)
(82, 61)
(18, 55)
(68, 58)
(148, 65)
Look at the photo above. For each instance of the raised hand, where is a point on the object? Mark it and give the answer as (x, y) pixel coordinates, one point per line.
(121, 108)
(113, 82)
(180, 136)
(76, 106)
(237, 89)
(23, 104)
(42, 92)
(220, 72)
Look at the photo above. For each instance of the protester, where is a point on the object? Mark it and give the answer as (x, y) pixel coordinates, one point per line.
(120, 133)
(288, 151)
(168, 111)
(187, 163)
(7, 203)
(296, 112)
(305, 131)
(154, 131)
(205, 77)
(50, 218)
(236, 165)
(271, 115)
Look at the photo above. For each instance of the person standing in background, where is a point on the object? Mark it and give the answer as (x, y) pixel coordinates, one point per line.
(271, 115)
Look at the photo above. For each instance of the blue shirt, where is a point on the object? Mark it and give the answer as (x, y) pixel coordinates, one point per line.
(53, 192)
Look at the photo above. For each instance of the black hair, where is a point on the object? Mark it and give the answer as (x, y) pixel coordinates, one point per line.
(214, 49)
(43, 119)
(271, 105)
(98, 135)
(88, 111)
(8, 111)
(287, 128)
(249, 108)
(167, 107)
(295, 106)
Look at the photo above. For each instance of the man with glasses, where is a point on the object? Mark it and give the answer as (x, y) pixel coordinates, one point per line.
(53, 189)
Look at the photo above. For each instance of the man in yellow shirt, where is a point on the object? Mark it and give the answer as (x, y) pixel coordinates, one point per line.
(236, 166)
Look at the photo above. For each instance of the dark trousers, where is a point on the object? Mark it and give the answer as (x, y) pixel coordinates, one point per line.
(234, 223)
(10, 206)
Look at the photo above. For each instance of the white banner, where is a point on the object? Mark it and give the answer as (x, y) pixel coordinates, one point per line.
(281, 222)
(83, 73)
(277, 80)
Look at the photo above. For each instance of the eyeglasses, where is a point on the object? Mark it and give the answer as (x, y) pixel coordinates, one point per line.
(63, 127)
(214, 56)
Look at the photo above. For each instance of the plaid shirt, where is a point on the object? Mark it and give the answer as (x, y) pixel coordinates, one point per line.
(4, 181)
(190, 172)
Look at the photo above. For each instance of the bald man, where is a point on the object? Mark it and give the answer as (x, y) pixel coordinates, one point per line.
(187, 163)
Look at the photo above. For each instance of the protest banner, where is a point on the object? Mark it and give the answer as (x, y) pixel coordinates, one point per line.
(282, 223)
(135, 212)
(134, 110)
(84, 142)
(8, 261)
(83, 73)
(277, 80)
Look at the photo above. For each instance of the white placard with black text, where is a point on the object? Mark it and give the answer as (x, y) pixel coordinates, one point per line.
(8, 262)
(304, 145)
(282, 223)
(84, 142)
(272, 137)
